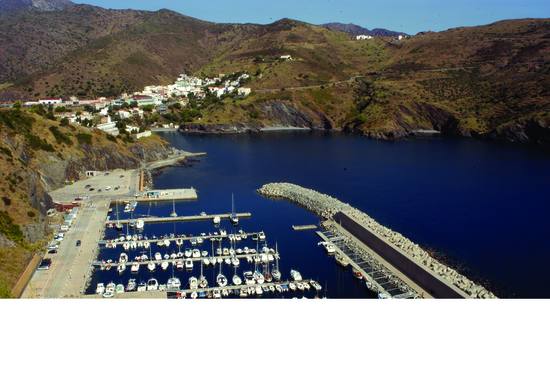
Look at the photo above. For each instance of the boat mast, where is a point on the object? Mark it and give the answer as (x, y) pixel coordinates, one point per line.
(277, 257)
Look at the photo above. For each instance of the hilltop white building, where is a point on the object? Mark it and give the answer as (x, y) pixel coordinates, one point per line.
(362, 37)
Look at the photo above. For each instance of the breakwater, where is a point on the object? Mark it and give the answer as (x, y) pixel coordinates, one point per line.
(328, 207)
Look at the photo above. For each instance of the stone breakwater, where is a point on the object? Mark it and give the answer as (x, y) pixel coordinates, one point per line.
(326, 206)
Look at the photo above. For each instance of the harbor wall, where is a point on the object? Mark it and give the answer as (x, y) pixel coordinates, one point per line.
(401, 262)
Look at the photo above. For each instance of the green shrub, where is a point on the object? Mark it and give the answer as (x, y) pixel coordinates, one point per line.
(84, 138)
(9, 229)
(60, 137)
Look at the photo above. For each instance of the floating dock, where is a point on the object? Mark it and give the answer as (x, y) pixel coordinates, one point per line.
(304, 227)
(184, 238)
(160, 195)
(159, 220)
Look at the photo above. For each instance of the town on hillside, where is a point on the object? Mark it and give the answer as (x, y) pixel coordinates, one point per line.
(156, 106)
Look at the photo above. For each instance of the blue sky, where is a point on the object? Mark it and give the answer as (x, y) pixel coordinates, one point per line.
(410, 16)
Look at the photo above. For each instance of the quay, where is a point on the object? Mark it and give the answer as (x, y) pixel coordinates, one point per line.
(387, 249)
(176, 158)
(157, 220)
(159, 195)
(304, 227)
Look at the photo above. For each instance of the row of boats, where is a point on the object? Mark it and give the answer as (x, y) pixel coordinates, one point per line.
(254, 283)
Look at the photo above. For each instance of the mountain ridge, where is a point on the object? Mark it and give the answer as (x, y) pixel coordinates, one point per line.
(356, 30)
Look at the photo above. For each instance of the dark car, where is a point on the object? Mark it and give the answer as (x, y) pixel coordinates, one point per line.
(88, 186)
(45, 264)
(52, 251)
(92, 189)
(78, 242)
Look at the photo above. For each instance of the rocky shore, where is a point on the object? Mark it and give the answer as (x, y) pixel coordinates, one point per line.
(326, 206)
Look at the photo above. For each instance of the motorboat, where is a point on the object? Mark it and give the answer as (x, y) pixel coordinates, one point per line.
(206, 261)
(216, 293)
(292, 286)
(227, 261)
(203, 282)
(151, 266)
(261, 235)
(132, 285)
(173, 284)
(188, 264)
(221, 280)
(164, 265)
(111, 287)
(119, 289)
(306, 285)
(259, 290)
(295, 275)
(300, 286)
(194, 295)
(357, 273)
(158, 256)
(243, 293)
(193, 283)
(268, 277)
(223, 233)
(100, 288)
(276, 275)
(152, 285)
(341, 260)
(329, 247)
(216, 220)
(135, 268)
(179, 242)
(142, 287)
(225, 292)
(188, 253)
(249, 278)
(126, 245)
(200, 241)
(259, 277)
(279, 288)
(315, 285)
(146, 244)
(140, 224)
(237, 280)
(179, 264)
(121, 267)
(196, 253)
(235, 262)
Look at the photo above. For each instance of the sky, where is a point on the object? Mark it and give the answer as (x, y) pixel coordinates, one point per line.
(409, 16)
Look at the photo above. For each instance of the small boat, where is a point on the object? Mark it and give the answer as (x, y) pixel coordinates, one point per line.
(146, 245)
(100, 288)
(329, 247)
(152, 285)
(306, 285)
(292, 286)
(151, 266)
(135, 268)
(194, 295)
(203, 282)
(233, 217)
(357, 274)
(173, 284)
(217, 293)
(295, 275)
(235, 262)
(200, 241)
(259, 290)
(142, 287)
(206, 261)
(111, 287)
(193, 283)
(140, 224)
(225, 251)
(188, 264)
(268, 277)
(179, 264)
(243, 293)
(223, 233)
(249, 278)
(164, 265)
(279, 288)
(259, 277)
(179, 242)
(188, 253)
(119, 289)
(216, 220)
(261, 235)
(227, 261)
(126, 245)
(315, 285)
(300, 286)
(131, 286)
(225, 292)
(221, 280)
(236, 280)
(342, 260)
(271, 288)
(196, 253)
(158, 256)
(121, 267)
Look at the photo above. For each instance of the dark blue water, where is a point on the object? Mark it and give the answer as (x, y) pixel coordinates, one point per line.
(481, 206)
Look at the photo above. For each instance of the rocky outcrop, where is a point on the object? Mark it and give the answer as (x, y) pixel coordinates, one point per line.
(532, 130)
(285, 114)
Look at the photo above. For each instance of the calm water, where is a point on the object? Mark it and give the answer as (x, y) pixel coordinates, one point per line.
(482, 206)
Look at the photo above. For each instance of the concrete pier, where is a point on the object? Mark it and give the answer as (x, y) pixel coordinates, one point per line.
(303, 227)
(160, 220)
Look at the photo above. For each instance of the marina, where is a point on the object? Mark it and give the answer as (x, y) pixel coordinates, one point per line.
(159, 219)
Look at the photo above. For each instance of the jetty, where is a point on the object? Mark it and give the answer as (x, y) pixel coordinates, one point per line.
(159, 195)
(399, 256)
(167, 240)
(161, 219)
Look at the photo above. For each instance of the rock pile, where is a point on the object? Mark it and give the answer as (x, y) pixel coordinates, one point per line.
(326, 206)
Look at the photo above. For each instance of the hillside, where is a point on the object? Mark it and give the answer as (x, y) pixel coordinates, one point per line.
(489, 81)
(37, 155)
(356, 30)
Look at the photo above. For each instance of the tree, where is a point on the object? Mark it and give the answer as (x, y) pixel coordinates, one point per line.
(64, 121)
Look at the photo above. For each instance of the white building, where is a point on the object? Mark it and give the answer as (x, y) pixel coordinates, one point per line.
(244, 92)
(108, 127)
(124, 114)
(50, 101)
(362, 37)
(286, 57)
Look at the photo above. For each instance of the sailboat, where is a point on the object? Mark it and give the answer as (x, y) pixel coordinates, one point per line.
(118, 224)
(236, 279)
(174, 213)
(203, 282)
(233, 217)
(276, 274)
(221, 279)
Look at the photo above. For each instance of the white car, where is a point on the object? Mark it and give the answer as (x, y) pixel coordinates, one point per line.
(108, 188)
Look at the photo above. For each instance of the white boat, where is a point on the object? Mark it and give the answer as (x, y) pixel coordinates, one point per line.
(223, 233)
(179, 264)
(341, 260)
(152, 285)
(146, 245)
(329, 247)
(236, 280)
(275, 273)
(110, 287)
(151, 266)
(216, 293)
(295, 275)
(227, 261)
(131, 285)
(119, 289)
(206, 261)
(200, 241)
(164, 265)
(306, 286)
(179, 242)
(259, 277)
(189, 264)
(193, 283)
(203, 282)
(292, 286)
(158, 256)
(221, 280)
(300, 286)
(261, 235)
(235, 262)
(243, 293)
(173, 284)
(121, 267)
(100, 288)
(194, 295)
(135, 268)
(249, 278)
(316, 285)
(196, 253)
(259, 290)
(225, 292)
(126, 245)
(142, 287)
(279, 288)
(188, 253)
(166, 243)
(216, 220)
(140, 224)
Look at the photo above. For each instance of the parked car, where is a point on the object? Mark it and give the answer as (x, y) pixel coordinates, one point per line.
(92, 189)
(45, 264)
(78, 242)
(108, 188)
(52, 251)
(88, 186)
